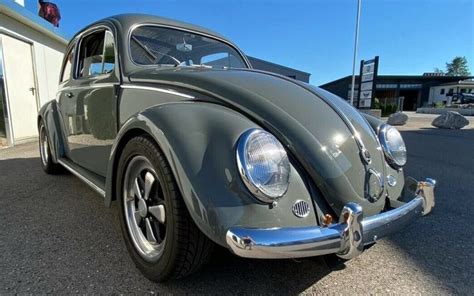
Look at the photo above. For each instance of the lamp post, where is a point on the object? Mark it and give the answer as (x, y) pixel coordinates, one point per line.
(356, 43)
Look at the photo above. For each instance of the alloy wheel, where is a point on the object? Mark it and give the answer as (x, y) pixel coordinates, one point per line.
(145, 210)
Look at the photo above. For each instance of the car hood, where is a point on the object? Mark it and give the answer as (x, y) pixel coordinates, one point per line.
(317, 127)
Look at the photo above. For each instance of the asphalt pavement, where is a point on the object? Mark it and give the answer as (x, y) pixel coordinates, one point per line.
(56, 236)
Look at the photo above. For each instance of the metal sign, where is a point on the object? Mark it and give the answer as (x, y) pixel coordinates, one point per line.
(368, 75)
(366, 86)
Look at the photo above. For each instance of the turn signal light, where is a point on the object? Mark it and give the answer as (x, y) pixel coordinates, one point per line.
(327, 220)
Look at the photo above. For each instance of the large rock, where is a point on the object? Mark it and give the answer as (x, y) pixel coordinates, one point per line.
(450, 120)
(397, 118)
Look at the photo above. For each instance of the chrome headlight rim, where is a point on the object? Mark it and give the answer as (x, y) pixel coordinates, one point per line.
(386, 149)
(241, 150)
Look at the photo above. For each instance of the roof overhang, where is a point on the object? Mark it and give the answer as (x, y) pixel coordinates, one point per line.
(26, 17)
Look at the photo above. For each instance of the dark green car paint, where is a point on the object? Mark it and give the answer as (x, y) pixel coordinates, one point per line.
(201, 154)
(300, 118)
(196, 117)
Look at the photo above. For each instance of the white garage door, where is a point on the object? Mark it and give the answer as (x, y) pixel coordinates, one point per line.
(21, 87)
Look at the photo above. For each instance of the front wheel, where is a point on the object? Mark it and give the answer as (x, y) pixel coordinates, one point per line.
(158, 231)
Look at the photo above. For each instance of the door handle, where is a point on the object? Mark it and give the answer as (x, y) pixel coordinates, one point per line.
(69, 95)
(32, 89)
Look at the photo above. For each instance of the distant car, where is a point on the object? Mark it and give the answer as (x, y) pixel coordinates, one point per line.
(171, 121)
(463, 98)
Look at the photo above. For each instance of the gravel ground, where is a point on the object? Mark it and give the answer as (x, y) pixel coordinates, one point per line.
(57, 237)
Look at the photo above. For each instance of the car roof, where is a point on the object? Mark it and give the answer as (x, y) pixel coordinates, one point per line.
(127, 21)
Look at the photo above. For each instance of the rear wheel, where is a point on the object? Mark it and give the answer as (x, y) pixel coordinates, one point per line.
(45, 152)
(160, 236)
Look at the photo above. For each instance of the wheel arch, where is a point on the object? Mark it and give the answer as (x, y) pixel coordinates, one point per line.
(198, 141)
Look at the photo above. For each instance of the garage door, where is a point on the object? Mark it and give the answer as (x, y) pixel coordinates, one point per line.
(21, 89)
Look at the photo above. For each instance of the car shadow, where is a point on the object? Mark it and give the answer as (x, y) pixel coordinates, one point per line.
(230, 274)
(62, 239)
(58, 237)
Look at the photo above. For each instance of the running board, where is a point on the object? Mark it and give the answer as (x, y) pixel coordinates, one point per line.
(96, 182)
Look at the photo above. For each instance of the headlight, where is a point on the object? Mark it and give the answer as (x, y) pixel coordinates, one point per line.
(263, 164)
(393, 146)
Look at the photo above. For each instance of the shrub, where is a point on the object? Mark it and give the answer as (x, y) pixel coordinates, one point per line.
(388, 109)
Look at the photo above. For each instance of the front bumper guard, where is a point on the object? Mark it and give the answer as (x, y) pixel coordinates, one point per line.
(347, 238)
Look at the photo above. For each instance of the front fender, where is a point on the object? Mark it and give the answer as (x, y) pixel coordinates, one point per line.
(198, 140)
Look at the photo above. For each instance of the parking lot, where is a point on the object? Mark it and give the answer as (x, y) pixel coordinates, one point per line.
(56, 236)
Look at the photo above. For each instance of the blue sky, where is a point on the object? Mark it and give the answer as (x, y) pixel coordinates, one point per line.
(316, 36)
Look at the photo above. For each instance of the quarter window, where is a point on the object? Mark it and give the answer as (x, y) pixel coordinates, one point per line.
(96, 55)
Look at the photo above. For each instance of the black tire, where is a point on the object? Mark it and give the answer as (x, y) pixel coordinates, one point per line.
(185, 247)
(45, 152)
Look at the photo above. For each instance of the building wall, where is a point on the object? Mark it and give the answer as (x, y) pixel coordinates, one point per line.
(47, 56)
(279, 69)
(440, 93)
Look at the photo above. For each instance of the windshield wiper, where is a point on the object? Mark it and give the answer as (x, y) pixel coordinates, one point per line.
(146, 49)
(197, 66)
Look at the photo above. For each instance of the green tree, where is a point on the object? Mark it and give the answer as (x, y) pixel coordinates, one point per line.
(458, 67)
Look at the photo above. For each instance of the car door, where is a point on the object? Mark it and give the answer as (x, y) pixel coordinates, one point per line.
(89, 101)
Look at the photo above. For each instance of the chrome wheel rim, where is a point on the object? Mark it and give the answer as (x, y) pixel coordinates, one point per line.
(145, 210)
(43, 146)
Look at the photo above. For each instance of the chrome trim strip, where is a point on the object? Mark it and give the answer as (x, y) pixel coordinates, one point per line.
(346, 238)
(82, 178)
(89, 86)
(168, 91)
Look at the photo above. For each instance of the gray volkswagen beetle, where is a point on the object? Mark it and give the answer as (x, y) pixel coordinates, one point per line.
(197, 148)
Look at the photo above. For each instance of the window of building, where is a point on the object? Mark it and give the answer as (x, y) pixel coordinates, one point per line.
(292, 76)
(410, 85)
(66, 73)
(441, 92)
(463, 90)
(386, 85)
(96, 55)
(356, 94)
(450, 92)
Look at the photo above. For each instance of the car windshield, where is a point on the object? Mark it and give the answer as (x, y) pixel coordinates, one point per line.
(153, 45)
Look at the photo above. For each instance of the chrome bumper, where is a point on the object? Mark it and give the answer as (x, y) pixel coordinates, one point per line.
(346, 238)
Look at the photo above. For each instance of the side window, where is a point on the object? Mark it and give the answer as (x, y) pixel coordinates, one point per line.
(96, 55)
(66, 73)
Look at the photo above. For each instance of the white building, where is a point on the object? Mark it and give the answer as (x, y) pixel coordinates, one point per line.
(444, 92)
(31, 53)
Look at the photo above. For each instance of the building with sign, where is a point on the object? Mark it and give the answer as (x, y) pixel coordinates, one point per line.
(415, 89)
